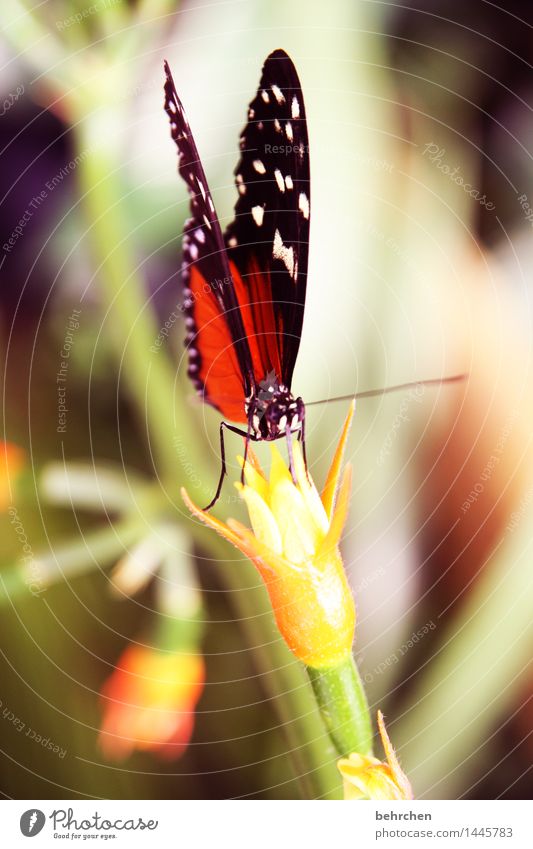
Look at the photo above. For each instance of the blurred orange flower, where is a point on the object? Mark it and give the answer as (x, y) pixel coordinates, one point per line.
(149, 702)
(295, 546)
(366, 777)
(12, 461)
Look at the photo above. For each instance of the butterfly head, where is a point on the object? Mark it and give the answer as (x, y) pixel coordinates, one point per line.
(273, 407)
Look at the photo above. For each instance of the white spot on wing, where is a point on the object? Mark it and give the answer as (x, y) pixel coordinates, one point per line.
(193, 251)
(199, 235)
(207, 222)
(277, 125)
(259, 167)
(278, 94)
(295, 108)
(279, 180)
(232, 241)
(257, 214)
(288, 131)
(265, 96)
(303, 204)
(201, 187)
(282, 252)
(288, 181)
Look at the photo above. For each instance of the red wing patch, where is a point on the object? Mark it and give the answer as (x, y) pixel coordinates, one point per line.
(212, 355)
(213, 363)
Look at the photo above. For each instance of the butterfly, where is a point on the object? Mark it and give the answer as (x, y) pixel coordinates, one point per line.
(244, 289)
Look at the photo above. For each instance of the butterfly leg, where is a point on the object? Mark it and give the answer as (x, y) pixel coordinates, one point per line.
(292, 470)
(301, 438)
(246, 444)
(223, 458)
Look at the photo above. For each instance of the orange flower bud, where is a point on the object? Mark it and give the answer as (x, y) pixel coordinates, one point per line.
(149, 702)
(294, 545)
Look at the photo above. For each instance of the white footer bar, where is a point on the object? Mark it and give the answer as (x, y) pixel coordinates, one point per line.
(265, 824)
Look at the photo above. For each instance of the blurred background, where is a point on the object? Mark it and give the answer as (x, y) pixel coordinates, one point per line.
(421, 261)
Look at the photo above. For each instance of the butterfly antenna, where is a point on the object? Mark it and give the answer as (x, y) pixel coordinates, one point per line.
(373, 393)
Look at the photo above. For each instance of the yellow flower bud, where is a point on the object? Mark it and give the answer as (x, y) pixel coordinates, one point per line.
(366, 777)
(294, 543)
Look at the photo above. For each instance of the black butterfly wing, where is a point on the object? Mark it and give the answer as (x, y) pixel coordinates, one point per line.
(268, 242)
(220, 363)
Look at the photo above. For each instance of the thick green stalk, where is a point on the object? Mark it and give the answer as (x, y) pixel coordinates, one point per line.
(284, 681)
(342, 703)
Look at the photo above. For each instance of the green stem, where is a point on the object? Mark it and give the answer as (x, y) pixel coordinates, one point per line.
(283, 680)
(342, 702)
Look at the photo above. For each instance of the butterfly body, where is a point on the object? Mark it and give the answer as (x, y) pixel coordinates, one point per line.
(272, 409)
(244, 290)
